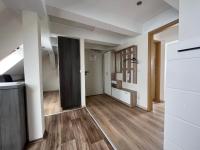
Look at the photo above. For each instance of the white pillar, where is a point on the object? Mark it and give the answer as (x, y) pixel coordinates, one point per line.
(189, 21)
(82, 61)
(33, 74)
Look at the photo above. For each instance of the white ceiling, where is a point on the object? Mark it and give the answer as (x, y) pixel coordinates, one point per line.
(124, 13)
(173, 3)
(168, 35)
(100, 20)
(98, 47)
(33, 5)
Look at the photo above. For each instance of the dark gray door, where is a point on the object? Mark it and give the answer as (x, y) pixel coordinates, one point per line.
(69, 67)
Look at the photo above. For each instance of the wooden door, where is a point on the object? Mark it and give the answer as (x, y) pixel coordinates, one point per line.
(69, 70)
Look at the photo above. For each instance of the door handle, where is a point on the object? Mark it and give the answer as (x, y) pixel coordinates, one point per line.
(189, 49)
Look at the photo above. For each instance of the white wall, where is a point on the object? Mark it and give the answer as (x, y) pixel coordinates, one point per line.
(142, 42)
(76, 32)
(107, 70)
(165, 37)
(33, 74)
(173, 3)
(50, 75)
(10, 32)
(94, 66)
(142, 72)
(160, 20)
(189, 19)
(82, 71)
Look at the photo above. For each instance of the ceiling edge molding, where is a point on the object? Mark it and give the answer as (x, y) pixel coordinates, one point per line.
(60, 13)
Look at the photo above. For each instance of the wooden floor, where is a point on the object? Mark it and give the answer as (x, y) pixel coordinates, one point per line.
(128, 129)
(52, 103)
(73, 130)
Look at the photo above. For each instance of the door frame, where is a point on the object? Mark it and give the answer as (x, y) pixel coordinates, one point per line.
(150, 47)
(157, 71)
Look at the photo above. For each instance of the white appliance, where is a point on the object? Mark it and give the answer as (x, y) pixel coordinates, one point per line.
(182, 109)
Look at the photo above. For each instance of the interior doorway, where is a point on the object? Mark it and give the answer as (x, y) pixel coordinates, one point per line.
(157, 39)
(61, 77)
(97, 68)
(51, 92)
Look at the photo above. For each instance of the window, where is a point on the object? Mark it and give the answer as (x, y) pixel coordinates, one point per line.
(11, 60)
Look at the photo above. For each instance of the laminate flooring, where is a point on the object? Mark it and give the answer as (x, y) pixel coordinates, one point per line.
(52, 103)
(72, 130)
(128, 128)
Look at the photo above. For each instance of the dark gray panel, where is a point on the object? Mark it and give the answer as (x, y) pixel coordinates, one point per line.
(12, 119)
(69, 67)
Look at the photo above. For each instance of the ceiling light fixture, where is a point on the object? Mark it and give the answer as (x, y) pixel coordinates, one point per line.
(139, 3)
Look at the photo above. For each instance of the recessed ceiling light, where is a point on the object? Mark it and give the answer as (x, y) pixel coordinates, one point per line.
(139, 3)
